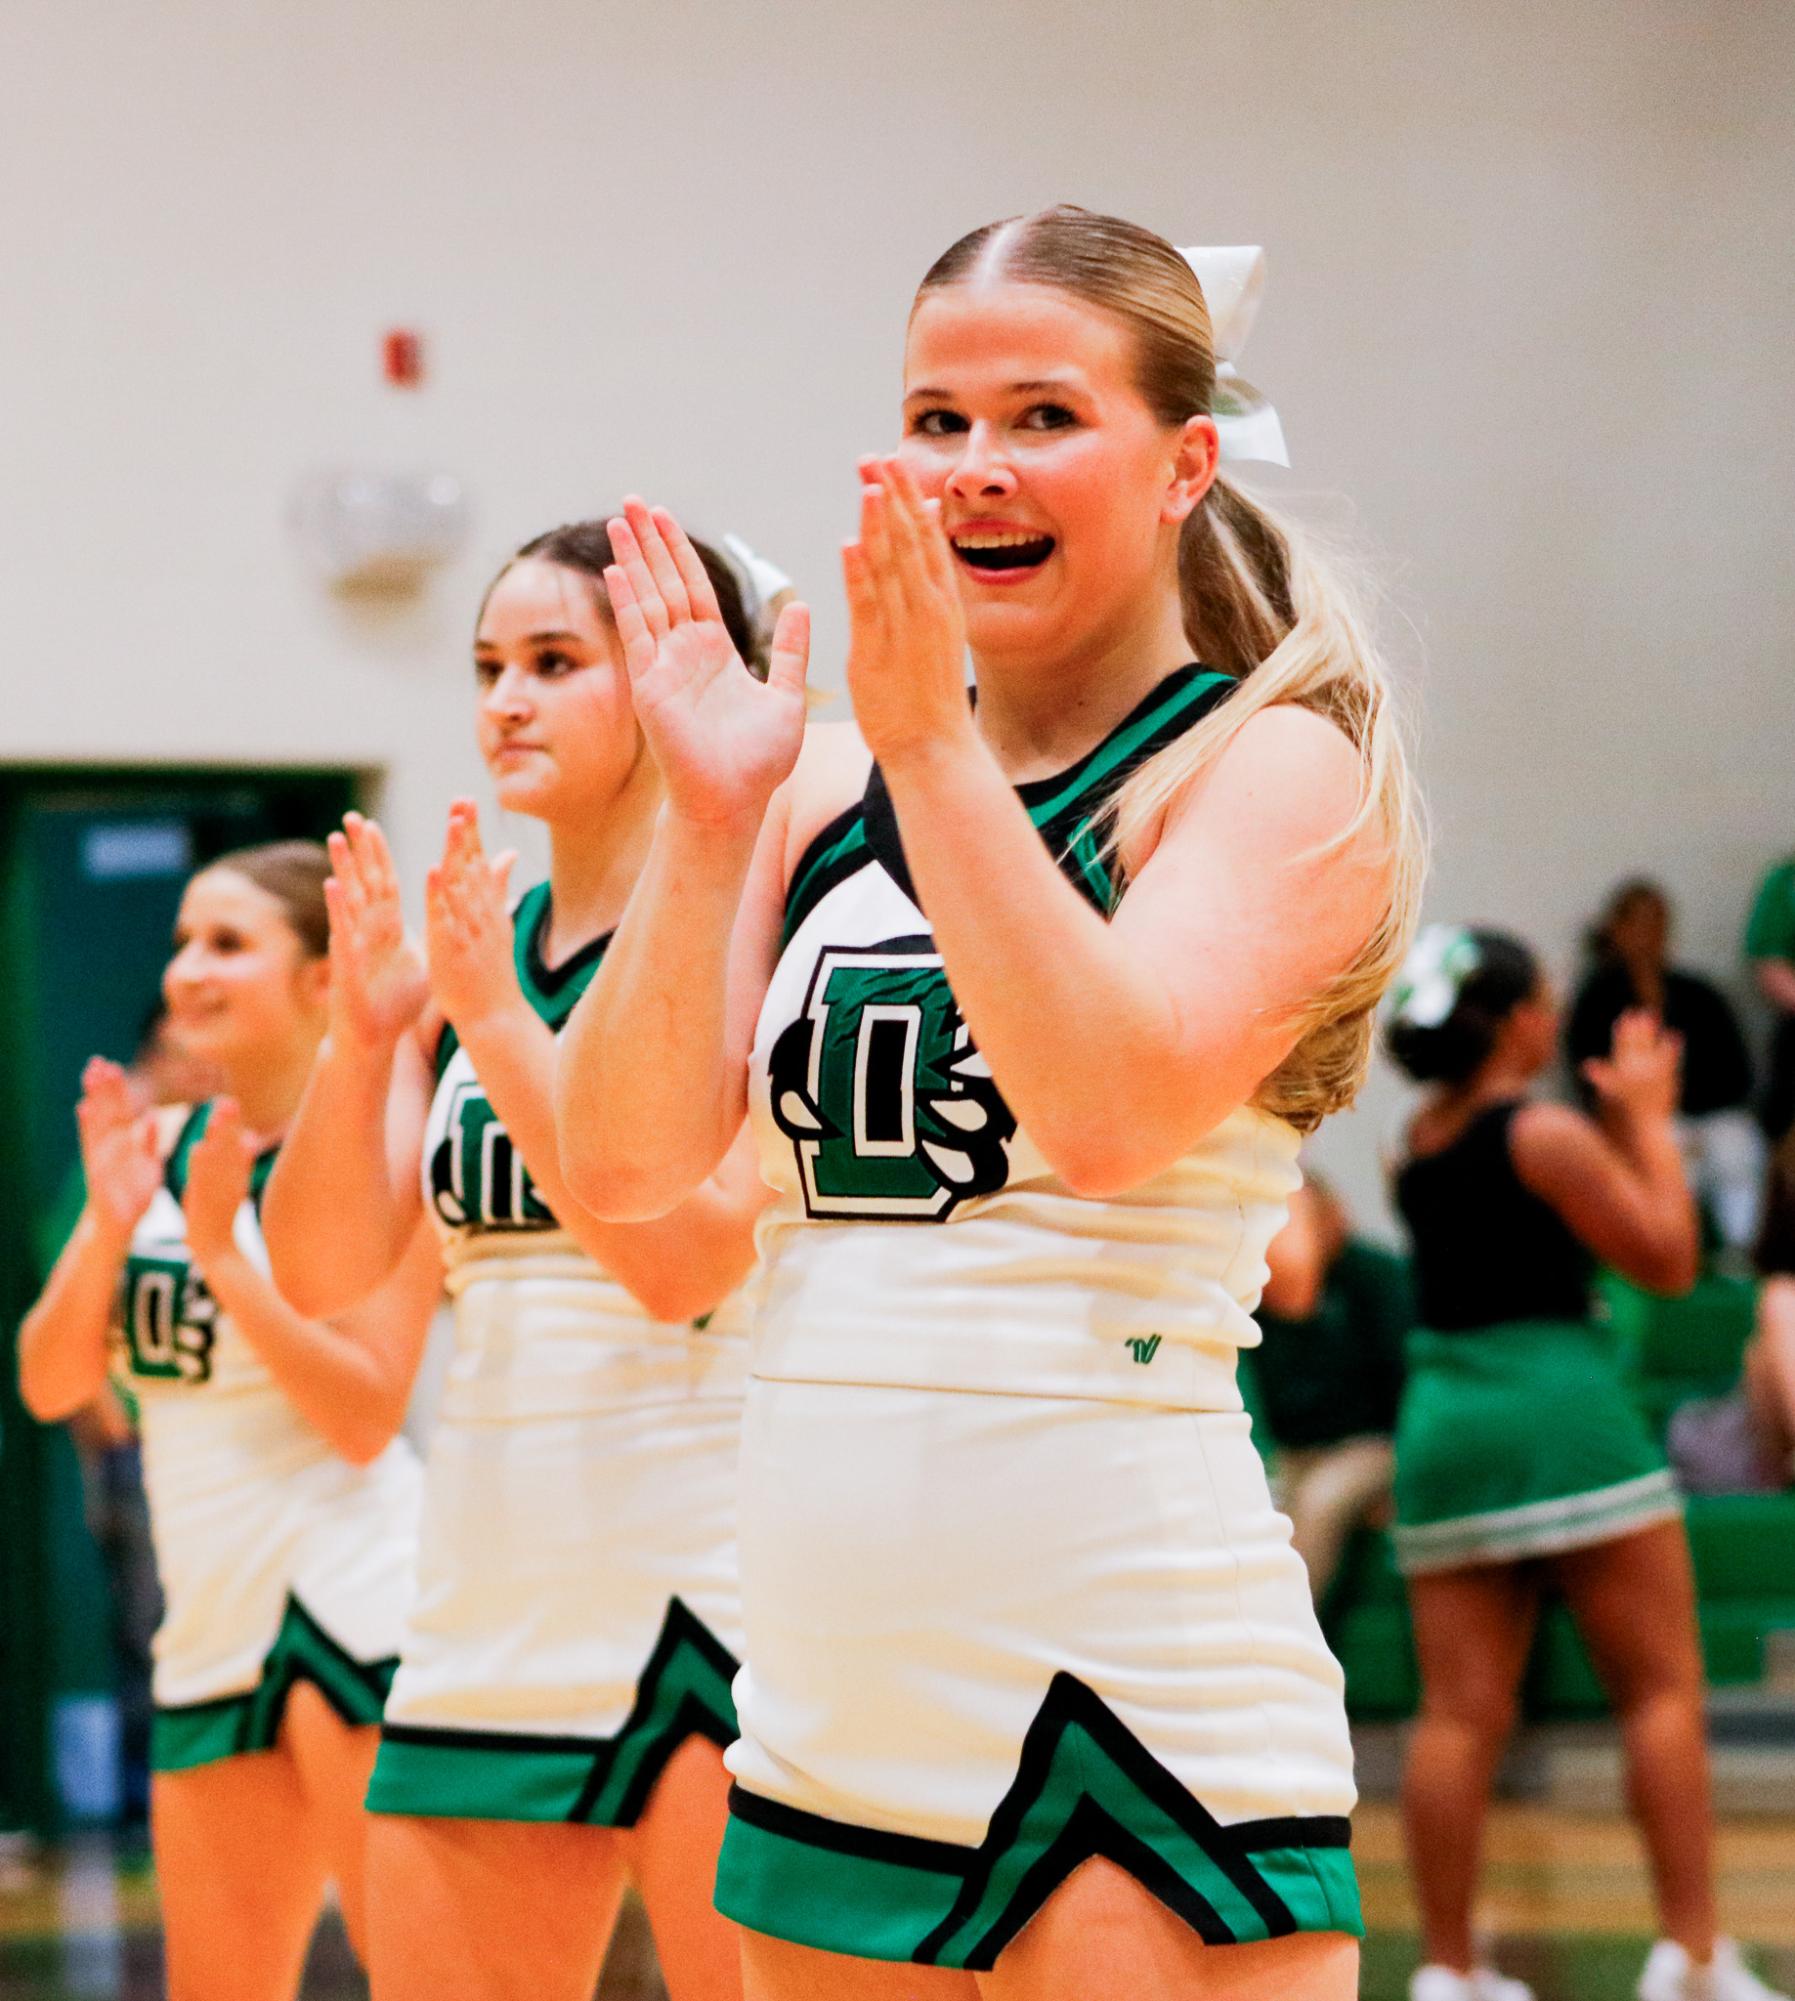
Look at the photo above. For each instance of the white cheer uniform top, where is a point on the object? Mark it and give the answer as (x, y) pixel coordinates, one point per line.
(873, 1108)
(249, 1505)
(540, 1329)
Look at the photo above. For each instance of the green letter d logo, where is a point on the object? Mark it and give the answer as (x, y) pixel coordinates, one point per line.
(890, 1109)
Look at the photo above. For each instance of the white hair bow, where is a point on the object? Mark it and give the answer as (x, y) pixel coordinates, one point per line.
(1439, 963)
(766, 588)
(766, 579)
(1232, 277)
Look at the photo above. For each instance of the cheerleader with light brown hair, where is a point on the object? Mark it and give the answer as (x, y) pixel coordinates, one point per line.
(556, 1724)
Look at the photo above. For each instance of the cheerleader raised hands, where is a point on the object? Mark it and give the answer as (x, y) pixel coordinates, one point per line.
(726, 743)
(725, 739)
(1054, 983)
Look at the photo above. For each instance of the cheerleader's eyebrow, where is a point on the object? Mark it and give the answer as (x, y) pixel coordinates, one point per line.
(532, 639)
(1058, 386)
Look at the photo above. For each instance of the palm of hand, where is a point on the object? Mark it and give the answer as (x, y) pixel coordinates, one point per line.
(1646, 1083)
(470, 962)
(386, 984)
(892, 678)
(722, 739)
(907, 637)
(122, 1170)
(1643, 1072)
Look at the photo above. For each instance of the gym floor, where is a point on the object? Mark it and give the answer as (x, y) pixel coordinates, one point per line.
(1566, 1901)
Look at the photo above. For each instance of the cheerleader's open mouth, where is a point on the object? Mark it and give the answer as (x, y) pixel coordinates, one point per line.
(1001, 553)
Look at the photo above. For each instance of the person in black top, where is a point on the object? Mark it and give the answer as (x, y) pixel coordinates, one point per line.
(1328, 1373)
(1521, 1462)
(1723, 1147)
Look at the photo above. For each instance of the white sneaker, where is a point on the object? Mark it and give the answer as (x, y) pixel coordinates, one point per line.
(1482, 1983)
(1671, 1975)
(1489, 1985)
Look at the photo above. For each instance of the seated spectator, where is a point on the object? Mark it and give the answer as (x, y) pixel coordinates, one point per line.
(1744, 1443)
(1723, 1150)
(1334, 1315)
(1770, 946)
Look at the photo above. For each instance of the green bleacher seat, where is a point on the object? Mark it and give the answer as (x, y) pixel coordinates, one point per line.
(1368, 1573)
(1744, 1547)
(1375, 1646)
(1658, 1396)
(1697, 1340)
(1560, 1684)
(1734, 1636)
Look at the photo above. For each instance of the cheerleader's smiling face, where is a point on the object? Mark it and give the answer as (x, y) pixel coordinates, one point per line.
(241, 986)
(555, 725)
(1061, 492)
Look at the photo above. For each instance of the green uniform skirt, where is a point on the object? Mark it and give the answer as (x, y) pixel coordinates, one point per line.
(1520, 1441)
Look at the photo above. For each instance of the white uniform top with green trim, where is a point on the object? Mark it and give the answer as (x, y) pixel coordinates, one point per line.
(873, 1107)
(540, 1329)
(577, 1575)
(249, 1505)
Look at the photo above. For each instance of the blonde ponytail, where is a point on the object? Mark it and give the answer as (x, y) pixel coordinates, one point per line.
(1262, 604)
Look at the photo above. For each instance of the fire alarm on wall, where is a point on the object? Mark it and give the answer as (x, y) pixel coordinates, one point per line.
(402, 357)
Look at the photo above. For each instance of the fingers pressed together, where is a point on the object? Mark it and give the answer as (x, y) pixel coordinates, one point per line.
(658, 577)
(900, 565)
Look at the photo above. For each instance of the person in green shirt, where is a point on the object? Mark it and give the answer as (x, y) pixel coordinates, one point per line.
(1328, 1374)
(1770, 946)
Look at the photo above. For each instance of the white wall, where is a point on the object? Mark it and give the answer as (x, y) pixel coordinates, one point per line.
(1528, 324)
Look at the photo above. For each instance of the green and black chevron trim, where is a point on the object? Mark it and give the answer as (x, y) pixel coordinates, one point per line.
(200, 1733)
(684, 1691)
(181, 1153)
(552, 991)
(838, 852)
(1068, 809)
(1084, 1786)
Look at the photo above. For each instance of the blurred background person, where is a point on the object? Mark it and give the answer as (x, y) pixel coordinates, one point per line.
(1723, 1148)
(1328, 1374)
(1522, 1463)
(1744, 1442)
